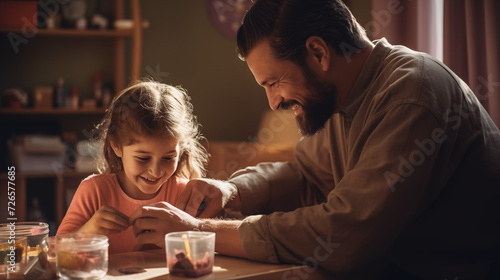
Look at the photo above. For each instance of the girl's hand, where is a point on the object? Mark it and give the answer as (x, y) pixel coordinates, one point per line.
(106, 220)
(151, 223)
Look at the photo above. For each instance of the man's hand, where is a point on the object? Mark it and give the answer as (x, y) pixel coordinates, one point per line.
(151, 223)
(205, 198)
(106, 220)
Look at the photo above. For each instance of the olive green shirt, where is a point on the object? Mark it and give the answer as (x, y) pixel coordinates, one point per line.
(405, 177)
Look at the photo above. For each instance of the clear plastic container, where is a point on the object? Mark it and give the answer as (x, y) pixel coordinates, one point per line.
(190, 253)
(82, 256)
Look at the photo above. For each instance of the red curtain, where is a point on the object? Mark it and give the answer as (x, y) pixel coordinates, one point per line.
(415, 24)
(470, 39)
(471, 48)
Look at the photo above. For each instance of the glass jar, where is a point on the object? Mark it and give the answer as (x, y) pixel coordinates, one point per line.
(12, 253)
(82, 256)
(36, 233)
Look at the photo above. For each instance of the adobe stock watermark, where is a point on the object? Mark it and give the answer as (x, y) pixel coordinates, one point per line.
(380, 20)
(321, 253)
(29, 30)
(156, 73)
(426, 147)
(71, 157)
(222, 7)
(486, 87)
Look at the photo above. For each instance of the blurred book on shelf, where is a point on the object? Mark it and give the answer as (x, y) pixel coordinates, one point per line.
(37, 153)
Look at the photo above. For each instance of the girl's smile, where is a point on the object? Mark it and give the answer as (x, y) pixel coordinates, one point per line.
(152, 181)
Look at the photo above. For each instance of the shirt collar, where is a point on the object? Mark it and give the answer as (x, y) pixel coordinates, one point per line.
(372, 66)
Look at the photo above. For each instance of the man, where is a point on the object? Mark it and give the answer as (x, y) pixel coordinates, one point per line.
(397, 177)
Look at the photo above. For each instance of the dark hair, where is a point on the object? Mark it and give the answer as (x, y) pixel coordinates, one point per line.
(149, 108)
(289, 23)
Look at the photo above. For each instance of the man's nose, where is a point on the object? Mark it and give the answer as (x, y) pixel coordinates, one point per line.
(274, 99)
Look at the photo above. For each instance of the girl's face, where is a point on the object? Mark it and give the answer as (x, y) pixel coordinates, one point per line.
(147, 164)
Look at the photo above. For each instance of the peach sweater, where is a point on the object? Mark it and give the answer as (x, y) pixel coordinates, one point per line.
(103, 189)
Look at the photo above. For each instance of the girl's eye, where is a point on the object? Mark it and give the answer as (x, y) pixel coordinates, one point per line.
(168, 158)
(142, 158)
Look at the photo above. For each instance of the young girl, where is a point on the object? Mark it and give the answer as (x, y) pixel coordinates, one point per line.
(151, 149)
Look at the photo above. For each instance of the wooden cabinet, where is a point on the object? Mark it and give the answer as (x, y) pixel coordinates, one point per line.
(228, 157)
(22, 184)
(126, 51)
(275, 141)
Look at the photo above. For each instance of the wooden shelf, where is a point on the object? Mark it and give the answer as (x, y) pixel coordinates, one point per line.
(52, 111)
(75, 32)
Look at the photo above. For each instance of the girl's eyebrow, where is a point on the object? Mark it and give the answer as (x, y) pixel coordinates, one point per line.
(147, 152)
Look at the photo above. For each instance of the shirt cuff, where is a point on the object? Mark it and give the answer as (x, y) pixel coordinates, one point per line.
(255, 238)
(253, 190)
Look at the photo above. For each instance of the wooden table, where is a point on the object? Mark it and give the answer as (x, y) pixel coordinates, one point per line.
(224, 268)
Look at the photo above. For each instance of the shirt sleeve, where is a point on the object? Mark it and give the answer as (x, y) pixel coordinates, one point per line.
(274, 186)
(84, 204)
(367, 209)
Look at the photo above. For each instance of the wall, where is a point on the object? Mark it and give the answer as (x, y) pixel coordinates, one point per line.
(182, 42)
(361, 9)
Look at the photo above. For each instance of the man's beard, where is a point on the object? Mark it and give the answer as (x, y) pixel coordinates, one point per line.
(318, 108)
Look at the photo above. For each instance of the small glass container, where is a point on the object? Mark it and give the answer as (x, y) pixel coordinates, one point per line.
(36, 233)
(12, 253)
(82, 256)
(190, 253)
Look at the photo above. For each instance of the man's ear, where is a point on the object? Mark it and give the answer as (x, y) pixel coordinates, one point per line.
(318, 53)
(118, 150)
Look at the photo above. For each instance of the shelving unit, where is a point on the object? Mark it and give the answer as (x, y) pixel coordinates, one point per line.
(118, 35)
(83, 117)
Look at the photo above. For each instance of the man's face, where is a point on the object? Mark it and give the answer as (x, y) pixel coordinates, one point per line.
(290, 86)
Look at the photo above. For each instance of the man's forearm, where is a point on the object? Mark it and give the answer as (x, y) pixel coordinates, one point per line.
(227, 239)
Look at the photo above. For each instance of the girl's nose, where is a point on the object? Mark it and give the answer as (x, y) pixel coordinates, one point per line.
(156, 170)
